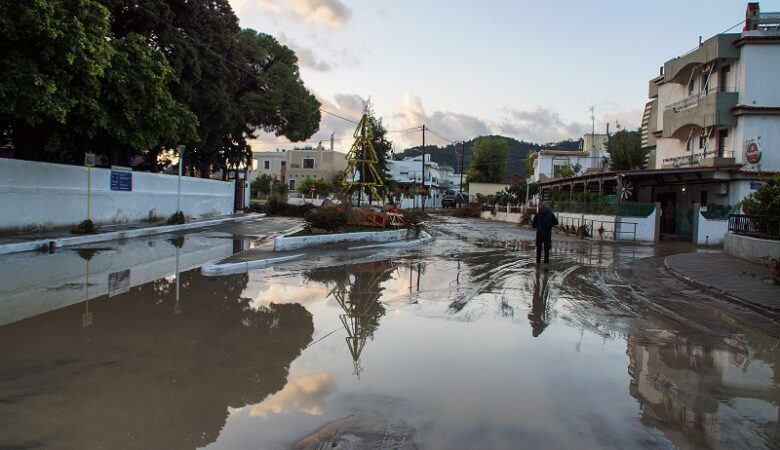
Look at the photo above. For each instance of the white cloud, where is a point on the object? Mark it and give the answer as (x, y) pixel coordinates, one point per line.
(306, 393)
(451, 125)
(305, 55)
(331, 13)
(539, 125)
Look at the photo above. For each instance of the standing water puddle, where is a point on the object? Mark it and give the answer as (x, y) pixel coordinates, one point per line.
(459, 344)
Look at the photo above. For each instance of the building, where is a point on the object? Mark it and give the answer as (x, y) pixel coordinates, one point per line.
(713, 118)
(293, 166)
(412, 190)
(550, 164)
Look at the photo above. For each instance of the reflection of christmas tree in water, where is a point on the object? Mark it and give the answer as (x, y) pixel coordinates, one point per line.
(357, 290)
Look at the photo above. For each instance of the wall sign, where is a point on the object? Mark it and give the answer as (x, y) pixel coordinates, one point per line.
(121, 178)
(753, 153)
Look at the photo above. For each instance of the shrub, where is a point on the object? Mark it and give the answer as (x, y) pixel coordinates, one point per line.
(327, 218)
(85, 227)
(176, 218)
(717, 212)
(765, 201)
(276, 207)
(468, 210)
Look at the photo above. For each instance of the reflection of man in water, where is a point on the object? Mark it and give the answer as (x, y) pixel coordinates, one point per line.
(538, 315)
(544, 221)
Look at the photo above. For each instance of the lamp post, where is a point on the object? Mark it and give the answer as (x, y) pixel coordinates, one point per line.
(181, 149)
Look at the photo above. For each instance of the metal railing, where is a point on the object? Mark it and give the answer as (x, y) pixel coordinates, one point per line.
(596, 228)
(625, 209)
(694, 99)
(766, 227)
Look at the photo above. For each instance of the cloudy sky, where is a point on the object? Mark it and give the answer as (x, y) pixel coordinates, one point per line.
(528, 69)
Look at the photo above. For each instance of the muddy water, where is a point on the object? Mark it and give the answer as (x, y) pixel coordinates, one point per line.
(458, 344)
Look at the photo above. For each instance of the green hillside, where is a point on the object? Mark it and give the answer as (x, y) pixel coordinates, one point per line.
(518, 151)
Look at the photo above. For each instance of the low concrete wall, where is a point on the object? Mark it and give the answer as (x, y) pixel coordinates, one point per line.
(750, 248)
(628, 228)
(36, 195)
(294, 242)
(710, 231)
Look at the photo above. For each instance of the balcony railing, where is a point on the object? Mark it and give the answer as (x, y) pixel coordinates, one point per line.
(766, 227)
(692, 159)
(693, 100)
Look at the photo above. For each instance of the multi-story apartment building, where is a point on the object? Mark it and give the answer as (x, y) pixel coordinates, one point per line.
(715, 110)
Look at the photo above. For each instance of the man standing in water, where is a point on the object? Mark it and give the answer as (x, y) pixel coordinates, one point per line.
(544, 221)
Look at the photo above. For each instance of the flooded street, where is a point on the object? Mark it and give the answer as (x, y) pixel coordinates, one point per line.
(460, 343)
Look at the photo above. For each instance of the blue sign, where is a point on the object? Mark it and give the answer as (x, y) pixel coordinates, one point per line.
(754, 185)
(121, 180)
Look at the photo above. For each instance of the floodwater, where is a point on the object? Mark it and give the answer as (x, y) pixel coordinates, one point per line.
(461, 343)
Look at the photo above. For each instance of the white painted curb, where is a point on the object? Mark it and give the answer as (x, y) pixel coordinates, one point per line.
(291, 243)
(116, 235)
(215, 268)
(425, 237)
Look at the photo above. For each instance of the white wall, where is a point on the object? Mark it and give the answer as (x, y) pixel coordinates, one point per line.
(646, 227)
(750, 248)
(752, 127)
(760, 65)
(37, 195)
(711, 232)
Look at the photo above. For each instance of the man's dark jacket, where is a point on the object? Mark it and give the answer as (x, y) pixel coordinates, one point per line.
(544, 221)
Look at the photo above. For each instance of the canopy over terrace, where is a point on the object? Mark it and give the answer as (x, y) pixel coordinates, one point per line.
(642, 184)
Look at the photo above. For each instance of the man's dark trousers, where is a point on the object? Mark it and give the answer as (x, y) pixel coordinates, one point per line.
(543, 238)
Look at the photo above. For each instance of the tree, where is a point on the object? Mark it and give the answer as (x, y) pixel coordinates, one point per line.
(55, 53)
(765, 201)
(489, 163)
(625, 151)
(569, 170)
(321, 186)
(262, 184)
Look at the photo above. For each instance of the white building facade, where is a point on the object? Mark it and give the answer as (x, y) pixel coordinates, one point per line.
(412, 191)
(718, 106)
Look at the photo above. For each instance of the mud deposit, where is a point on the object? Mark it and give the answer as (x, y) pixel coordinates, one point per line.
(461, 343)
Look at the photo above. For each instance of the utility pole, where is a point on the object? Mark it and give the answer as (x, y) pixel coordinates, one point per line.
(462, 155)
(181, 149)
(422, 199)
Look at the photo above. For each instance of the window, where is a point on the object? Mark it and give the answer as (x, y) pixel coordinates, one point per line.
(689, 144)
(284, 163)
(266, 164)
(724, 78)
(292, 185)
(723, 135)
(691, 85)
(705, 82)
(702, 141)
(308, 163)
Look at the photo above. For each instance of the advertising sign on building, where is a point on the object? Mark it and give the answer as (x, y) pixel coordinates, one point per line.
(121, 178)
(753, 153)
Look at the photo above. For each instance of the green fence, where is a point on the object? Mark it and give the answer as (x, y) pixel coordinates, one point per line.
(627, 209)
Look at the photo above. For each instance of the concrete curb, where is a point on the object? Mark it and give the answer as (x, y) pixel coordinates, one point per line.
(398, 244)
(773, 314)
(116, 235)
(282, 243)
(214, 269)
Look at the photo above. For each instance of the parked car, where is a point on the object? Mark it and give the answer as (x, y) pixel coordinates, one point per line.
(448, 201)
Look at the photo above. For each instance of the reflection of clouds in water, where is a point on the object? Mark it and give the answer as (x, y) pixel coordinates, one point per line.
(265, 290)
(306, 393)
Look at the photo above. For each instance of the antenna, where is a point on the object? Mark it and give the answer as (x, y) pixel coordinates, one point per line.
(592, 110)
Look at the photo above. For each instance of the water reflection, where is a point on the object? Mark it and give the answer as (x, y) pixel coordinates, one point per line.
(539, 316)
(144, 374)
(357, 289)
(712, 395)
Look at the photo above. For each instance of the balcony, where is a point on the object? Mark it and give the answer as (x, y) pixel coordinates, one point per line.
(703, 158)
(705, 109)
(720, 46)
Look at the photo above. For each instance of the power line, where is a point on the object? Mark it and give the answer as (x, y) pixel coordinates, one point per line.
(239, 66)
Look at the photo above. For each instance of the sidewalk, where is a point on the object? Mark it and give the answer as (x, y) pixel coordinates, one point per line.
(22, 242)
(742, 281)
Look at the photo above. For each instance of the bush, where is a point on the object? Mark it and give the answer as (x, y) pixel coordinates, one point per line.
(176, 218)
(276, 207)
(718, 212)
(331, 219)
(765, 201)
(85, 227)
(468, 210)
